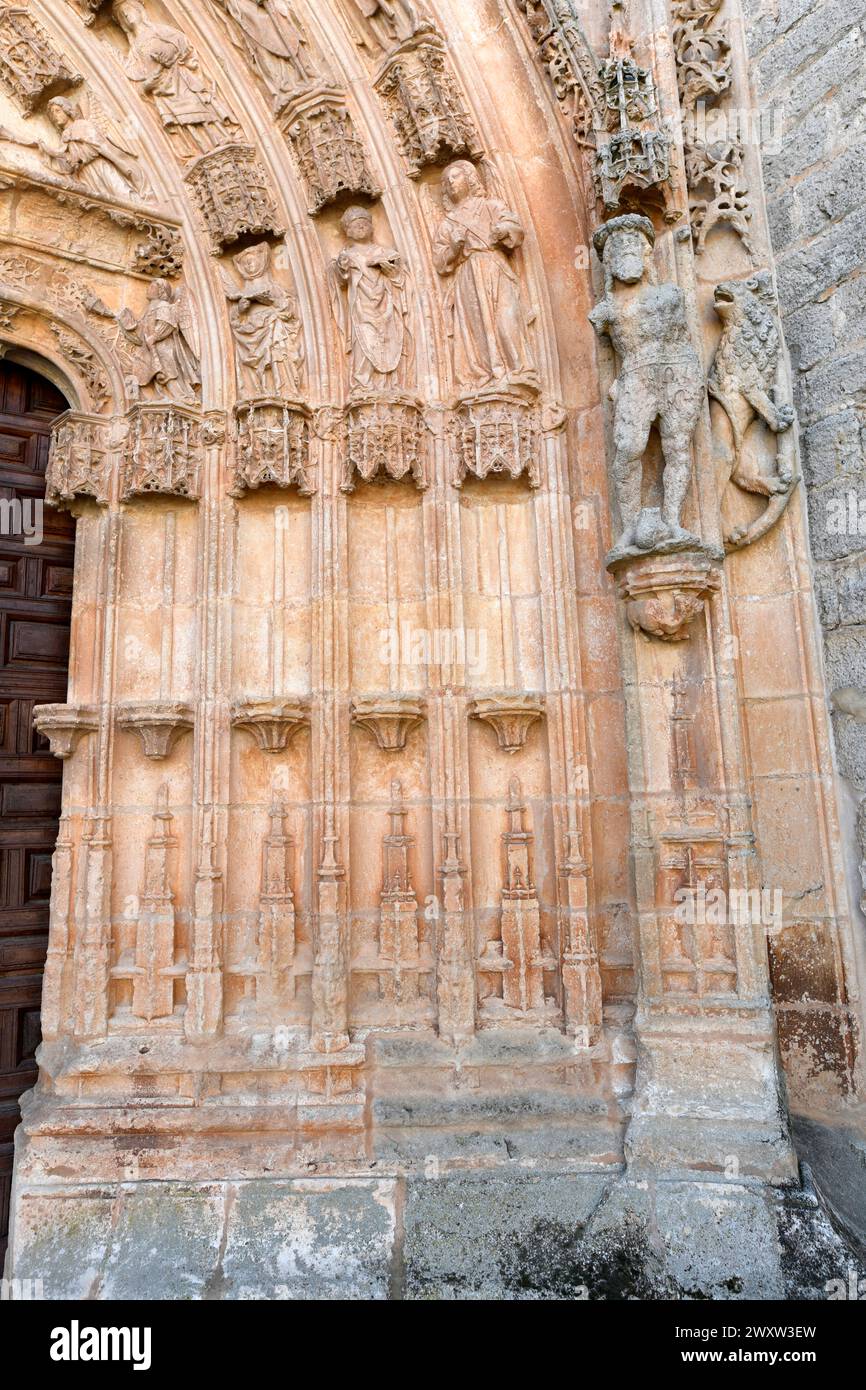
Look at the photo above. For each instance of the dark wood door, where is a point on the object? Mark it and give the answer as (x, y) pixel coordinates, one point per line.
(35, 603)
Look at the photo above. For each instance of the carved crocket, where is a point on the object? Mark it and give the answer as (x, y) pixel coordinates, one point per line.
(745, 379)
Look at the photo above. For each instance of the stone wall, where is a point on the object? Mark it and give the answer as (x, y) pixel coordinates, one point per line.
(807, 71)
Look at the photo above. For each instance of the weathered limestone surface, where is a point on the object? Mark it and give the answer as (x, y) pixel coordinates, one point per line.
(451, 893)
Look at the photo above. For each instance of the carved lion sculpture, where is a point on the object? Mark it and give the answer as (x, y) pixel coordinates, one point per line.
(744, 379)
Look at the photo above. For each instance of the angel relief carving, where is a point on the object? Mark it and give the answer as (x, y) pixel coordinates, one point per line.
(374, 313)
(274, 43)
(267, 331)
(89, 150)
(162, 60)
(488, 323)
(165, 360)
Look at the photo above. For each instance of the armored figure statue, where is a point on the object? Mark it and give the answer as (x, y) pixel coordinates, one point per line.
(661, 381)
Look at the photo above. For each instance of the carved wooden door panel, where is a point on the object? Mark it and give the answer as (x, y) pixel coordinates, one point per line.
(35, 604)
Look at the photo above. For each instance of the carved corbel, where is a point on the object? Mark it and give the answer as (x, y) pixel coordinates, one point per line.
(497, 432)
(663, 594)
(384, 438)
(159, 725)
(272, 446)
(272, 723)
(65, 725)
(79, 459)
(389, 719)
(162, 452)
(510, 716)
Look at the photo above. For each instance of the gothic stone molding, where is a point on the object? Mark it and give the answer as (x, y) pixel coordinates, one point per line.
(233, 196)
(272, 723)
(65, 725)
(159, 725)
(162, 452)
(390, 719)
(664, 594)
(272, 446)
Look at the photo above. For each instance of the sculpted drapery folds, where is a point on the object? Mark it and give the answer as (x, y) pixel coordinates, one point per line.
(488, 324)
(660, 380)
(274, 43)
(165, 361)
(87, 153)
(162, 60)
(375, 311)
(265, 325)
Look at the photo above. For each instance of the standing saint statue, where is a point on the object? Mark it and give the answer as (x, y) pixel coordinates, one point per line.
(266, 328)
(489, 327)
(162, 59)
(166, 359)
(376, 309)
(274, 43)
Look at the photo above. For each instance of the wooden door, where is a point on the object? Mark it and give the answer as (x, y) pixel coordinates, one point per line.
(35, 604)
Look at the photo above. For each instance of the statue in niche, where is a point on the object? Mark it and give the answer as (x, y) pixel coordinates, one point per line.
(660, 381)
(388, 22)
(162, 59)
(375, 311)
(266, 328)
(274, 43)
(165, 360)
(488, 324)
(86, 152)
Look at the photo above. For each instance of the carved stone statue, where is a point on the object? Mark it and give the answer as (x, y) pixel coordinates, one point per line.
(162, 59)
(274, 43)
(489, 326)
(376, 309)
(87, 153)
(266, 328)
(745, 380)
(387, 22)
(660, 381)
(166, 360)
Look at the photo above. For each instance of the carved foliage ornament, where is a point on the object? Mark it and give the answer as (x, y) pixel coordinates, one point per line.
(384, 438)
(79, 459)
(233, 196)
(272, 446)
(162, 452)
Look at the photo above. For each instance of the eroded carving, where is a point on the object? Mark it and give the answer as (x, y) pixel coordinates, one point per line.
(385, 438)
(276, 47)
(659, 381)
(374, 311)
(153, 982)
(165, 361)
(497, 432)
(390, 719)
(747, 378)
(266, 328)
(275, 981)
(86, 151)
(158, 723)
(65, 725)
(381, 24)
(510, 716)
(664, 594)
(400, 961)
(272, 723)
